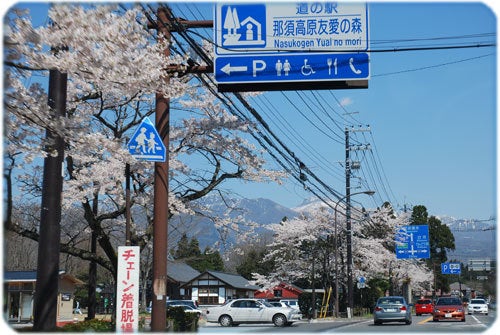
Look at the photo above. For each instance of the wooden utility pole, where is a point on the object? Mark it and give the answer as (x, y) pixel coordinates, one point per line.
(47, 275)
(160, 221)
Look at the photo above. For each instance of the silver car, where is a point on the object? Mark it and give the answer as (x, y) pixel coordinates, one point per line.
(239, 311)
(392, 309)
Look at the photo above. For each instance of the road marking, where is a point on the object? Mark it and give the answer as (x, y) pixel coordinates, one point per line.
(425, 320)
(478, 321)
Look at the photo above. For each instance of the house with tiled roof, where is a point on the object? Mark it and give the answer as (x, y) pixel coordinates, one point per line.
(179, 273)
(214, 287)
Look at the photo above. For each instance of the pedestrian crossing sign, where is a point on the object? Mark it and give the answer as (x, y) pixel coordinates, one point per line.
(146, 143)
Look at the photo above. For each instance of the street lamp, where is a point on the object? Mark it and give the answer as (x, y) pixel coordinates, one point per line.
(349, 256)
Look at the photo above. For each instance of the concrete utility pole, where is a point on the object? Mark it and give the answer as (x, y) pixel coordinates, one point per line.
(47, 275)
(348, 149)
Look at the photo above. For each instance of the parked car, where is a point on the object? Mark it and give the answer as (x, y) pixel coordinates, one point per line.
(477, 306)
(424, 306)
(392, 309)
(188, 309)
(294, 303)
(448, 308)
(190, 303)
(280, 304)
(237, 311)
(285, 305)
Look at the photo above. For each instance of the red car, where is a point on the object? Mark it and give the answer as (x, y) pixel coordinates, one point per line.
(448, 308)
(424, 306)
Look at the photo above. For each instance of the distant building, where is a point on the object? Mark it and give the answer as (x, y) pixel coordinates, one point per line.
(281, 291)
(19, 291)
(214, 288)
(178, 274)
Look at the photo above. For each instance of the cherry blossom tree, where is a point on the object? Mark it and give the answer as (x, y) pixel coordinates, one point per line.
(313, 238)
(115, 66)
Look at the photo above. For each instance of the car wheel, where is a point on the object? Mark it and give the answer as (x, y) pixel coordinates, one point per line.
(279, 320)
(408, 322)
(377, 322)
(418, 314)
(435, 320)
(225, 321)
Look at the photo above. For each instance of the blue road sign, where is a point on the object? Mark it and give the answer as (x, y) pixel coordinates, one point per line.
(283, 27)
(413, 242)
(451, 268)
(291, 42)
(290, 67)
(146, 143)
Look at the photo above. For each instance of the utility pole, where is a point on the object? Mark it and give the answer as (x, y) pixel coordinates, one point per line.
(47, 275)
(348, 149)
(160, 222)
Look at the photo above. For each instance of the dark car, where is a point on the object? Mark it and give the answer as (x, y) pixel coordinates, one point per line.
(448, 308)
(424, 306)
(189, 303)
(392, 309)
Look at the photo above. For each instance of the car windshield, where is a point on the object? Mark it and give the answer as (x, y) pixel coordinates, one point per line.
(477, 301)
(383, 301)
(448, 301)
(427, 301)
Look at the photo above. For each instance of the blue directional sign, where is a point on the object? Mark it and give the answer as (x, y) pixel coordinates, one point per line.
(146, 143)
(291, 42)
(290, 67)
(413, 242)
(450, 268)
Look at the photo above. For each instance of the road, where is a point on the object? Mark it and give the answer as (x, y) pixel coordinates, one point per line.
(421, 324)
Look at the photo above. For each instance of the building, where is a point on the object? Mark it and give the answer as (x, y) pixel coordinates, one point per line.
(178, 274)
(281, 291)
(19, 294)
(214, 288)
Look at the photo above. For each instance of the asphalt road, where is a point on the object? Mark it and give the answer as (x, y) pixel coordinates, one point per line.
(420, 324)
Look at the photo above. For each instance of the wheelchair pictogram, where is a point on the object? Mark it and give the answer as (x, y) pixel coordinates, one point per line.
(306, 69)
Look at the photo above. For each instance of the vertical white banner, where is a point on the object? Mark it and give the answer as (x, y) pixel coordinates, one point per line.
(127, 290)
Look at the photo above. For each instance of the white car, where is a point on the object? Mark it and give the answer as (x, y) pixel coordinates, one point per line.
(237, 311)
(477, 306)
(294, 303)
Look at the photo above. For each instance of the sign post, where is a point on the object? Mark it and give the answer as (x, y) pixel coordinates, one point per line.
(268, 45)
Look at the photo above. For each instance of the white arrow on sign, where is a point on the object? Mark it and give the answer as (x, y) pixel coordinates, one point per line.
(227, 69)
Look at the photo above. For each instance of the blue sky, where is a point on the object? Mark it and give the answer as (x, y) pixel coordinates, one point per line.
(432, 114)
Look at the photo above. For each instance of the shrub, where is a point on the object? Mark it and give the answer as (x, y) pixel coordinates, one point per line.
(93, 325)
(182, 321)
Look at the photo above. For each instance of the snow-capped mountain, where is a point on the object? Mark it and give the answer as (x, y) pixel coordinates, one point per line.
(473, 238)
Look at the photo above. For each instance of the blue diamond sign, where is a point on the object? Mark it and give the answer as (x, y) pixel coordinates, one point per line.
(146, 143)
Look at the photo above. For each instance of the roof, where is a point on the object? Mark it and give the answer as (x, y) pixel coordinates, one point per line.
(24, 276)
(230, 279)
(30, 276)
(180, 272)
